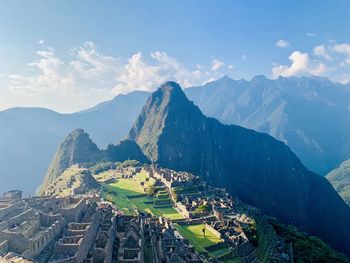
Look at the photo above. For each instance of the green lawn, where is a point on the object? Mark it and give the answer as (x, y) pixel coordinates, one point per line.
(195, 235)
(121, 191)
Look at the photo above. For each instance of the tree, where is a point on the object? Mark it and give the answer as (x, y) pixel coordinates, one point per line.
(151, 190)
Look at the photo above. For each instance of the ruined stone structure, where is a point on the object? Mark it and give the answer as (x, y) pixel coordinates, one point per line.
(131, 239)
(52, 229)
(24, 229)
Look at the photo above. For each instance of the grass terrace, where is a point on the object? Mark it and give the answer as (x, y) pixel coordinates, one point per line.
(195, 236)
(129, 195)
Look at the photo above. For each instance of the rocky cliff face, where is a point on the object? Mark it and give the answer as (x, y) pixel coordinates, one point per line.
(259, 169)
(78, 148)
(340, 179)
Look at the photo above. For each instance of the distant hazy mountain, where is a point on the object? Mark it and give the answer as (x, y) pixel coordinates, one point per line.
(257, 168)
(78, 148)
(340, 179)
(30, 136)
(311, 115)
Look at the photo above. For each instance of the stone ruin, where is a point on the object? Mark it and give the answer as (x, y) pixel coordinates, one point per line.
(56, 230)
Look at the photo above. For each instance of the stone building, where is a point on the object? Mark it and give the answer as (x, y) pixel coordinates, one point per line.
(131, 239)
(53, 229)
(25, 230)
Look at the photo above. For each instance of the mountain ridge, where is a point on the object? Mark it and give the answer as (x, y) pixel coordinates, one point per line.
(78, 148)
(247, 163)
(298, 120)
(25, 129)
(293, 110)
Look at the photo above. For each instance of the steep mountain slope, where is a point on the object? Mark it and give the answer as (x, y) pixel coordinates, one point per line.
(309, 114)
(340, 179)
(257, 168)
(78, 148)
(29, 136)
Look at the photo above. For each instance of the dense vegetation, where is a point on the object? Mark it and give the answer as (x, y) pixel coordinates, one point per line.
(100, 167)
(251, 232)
(307, 248)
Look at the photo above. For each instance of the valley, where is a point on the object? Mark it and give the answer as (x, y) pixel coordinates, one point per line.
(174, 131)
(151, 212)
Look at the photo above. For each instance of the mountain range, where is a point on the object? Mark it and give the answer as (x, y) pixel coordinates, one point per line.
(262, 171)
(309, 114)
(30, 136)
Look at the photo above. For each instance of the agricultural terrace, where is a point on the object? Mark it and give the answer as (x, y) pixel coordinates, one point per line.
(130, 194)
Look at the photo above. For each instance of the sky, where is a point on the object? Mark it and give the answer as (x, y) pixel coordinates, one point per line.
(68, 55)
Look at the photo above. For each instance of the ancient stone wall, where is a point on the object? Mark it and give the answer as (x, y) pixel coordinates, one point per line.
(4, 248)
(18, 219)
(73, 211)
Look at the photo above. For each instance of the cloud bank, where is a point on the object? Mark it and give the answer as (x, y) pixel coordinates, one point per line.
(89, 76)
(331, 60)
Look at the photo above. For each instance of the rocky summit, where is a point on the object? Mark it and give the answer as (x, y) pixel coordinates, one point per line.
(259, 169)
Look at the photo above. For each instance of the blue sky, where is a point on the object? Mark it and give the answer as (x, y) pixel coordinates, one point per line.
(68, 55)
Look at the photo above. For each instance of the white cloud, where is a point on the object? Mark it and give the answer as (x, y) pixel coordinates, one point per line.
(322, 52)
(84, 78)
(343, 49)
(282, 43)
(52, 76)
(89, 76)
(301, 64)
(147, 74)
(230, 67)
(41, 41)
(310, 34)
(216, 64)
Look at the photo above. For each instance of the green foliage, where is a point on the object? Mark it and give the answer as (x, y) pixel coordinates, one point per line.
(128, 163)
(251, 232)
(151, 190)
(307, 248)
(201, 209)
(265, 234)
(101, 167)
